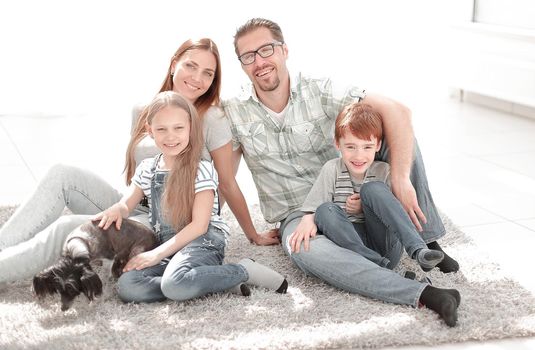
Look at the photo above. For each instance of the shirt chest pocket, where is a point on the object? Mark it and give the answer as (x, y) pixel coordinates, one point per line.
(253, 138)
(307, 137)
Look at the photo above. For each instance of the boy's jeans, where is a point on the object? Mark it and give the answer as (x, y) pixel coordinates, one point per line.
(350, 271)
(387, 228)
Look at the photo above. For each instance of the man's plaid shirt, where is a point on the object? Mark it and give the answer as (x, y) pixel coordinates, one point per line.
(285, 157)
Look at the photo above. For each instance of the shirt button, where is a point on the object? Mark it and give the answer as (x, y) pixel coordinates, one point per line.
(355, 92)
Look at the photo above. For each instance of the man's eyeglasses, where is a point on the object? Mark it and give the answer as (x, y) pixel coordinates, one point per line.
(264, 52)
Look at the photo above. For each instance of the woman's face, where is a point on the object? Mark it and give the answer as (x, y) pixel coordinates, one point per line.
(194, 73)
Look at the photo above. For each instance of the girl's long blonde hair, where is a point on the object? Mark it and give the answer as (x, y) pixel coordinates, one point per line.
(179, 193)
(203, 103)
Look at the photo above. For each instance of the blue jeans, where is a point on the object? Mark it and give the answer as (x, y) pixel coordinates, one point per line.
(387, 228)
(333, 223)
(434, 228)
(32, 239)
(194, 271)
(350, 271)
(386, 219)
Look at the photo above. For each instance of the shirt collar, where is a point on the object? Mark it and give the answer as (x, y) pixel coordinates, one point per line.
(252, 92)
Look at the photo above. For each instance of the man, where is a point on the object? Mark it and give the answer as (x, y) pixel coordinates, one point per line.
(285, 131)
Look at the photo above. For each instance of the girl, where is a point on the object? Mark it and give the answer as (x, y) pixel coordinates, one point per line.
(183, 202)
(32, 238)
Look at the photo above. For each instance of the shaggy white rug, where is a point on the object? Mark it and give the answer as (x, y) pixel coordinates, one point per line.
(311, 315)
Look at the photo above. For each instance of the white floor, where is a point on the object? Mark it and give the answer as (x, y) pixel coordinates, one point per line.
(480, 164)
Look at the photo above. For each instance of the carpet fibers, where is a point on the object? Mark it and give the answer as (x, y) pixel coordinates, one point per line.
(311, 315)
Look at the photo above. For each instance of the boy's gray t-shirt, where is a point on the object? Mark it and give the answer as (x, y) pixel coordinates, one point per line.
(324, 187)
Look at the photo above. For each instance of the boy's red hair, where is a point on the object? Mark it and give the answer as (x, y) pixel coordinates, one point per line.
(361, 120)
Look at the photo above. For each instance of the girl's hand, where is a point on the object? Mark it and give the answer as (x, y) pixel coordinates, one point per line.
(269, 237)
(142, 261)
(115, 213)
(353, 204)
(303, 232)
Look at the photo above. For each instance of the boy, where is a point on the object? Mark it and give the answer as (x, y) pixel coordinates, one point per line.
(352, 201)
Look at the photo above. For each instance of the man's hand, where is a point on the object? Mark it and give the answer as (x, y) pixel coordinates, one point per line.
(406, 194)
(303, 232)
(269, 237)
(353, 204)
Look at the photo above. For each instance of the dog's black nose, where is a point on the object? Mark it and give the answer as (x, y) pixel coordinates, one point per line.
(66, 303)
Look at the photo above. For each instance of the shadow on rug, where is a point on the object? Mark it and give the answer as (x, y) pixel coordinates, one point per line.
(311, 315)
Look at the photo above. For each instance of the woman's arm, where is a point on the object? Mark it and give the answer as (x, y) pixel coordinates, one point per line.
(201, 214)
(121, 209)
(224, 161)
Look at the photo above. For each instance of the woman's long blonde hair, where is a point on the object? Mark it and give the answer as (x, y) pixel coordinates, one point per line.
(209, 98)
(179, 193)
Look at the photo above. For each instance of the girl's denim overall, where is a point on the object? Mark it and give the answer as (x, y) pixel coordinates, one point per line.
(193, 271)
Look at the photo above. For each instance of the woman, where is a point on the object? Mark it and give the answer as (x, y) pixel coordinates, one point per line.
(194, 73)
(33, 237)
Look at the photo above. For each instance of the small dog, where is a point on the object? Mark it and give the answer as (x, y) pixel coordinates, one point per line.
(73, 274)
